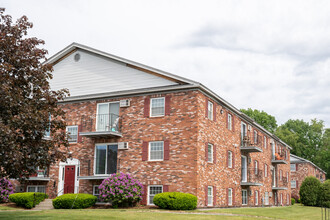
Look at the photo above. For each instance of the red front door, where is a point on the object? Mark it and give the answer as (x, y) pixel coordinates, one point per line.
(69, 179)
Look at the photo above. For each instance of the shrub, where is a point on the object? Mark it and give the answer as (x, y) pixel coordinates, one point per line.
(324, 195)
(6, 188)
(299, 200)
(28, 199)
(74, 201)
(309, 191)
(121, 190)
(175, 201)
(293, 201)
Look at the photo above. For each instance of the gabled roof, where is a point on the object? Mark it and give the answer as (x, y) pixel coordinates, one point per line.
(181, 84)
(296, 159)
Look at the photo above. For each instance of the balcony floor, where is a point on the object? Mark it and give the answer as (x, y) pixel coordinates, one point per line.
(279, 162)
(93, 177)
(251, 149)
(279, 188)
(34, 178)
(250, 184)
(101, 134)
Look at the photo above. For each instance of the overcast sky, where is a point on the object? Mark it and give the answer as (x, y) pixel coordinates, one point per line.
(267, 55)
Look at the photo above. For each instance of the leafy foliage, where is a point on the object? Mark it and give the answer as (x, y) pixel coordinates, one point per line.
(28, 199)
(26, 102)
(6, 188)
(175, 201)
(324, 195)
(121, 190)
(293, 201)
(309, 191)
(262, 118)
(74, 201)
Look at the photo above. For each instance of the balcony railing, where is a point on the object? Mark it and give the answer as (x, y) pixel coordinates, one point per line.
(40, 175)
(279, 158)
(251, 176)
(251, 144)
(101, 125)
(86, 170)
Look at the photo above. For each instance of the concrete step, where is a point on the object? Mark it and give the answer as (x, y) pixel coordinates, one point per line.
(44, 205)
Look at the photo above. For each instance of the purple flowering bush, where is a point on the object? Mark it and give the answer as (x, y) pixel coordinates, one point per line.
(6, 188)
(121, 190)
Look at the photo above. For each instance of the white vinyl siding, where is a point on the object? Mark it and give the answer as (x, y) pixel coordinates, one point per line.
(157, 107)
(210, 153)
(210, 196)
(156, 151)
(72, 132)
(152, 191)
(210, 110)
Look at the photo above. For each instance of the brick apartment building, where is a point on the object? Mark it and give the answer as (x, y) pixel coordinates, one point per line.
(300, 169)
(171, 133)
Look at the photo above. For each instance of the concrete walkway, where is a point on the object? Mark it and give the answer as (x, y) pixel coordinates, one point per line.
(47, 204)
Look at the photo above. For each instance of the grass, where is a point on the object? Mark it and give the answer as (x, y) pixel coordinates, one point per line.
(292, 212)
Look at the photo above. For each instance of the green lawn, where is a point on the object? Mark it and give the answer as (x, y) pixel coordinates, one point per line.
(293, 212)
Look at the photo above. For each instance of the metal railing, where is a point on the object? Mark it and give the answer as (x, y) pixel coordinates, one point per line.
(251, 140)
(101, 122)
(86, 168)
(252, 175)
(278, 156)
(41, 173)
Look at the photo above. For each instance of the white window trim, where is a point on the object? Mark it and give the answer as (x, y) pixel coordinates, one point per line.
(266, 170)
(208, 158)
(230, 195)
(230, 159)
(230, 122)
(265, 142)
(150, 151)
(256, 167)
(150, 110)
(295, 167)
(106, 164)
(148, 196)
(97, 111)
(295, 184)
(281, 173)
(94, 186)
(256, 197)
(210, 116)
(244, 190)
(210, 196)
(72, 126)
(36, 186)
(255, 136)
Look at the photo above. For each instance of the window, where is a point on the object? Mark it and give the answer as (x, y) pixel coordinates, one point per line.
(96, 191)
(281, 203)
(47, 132)
(210, 196)
(72, 132)
(156, 151)
(230, 159)
(210, 110)
(266, 170)
(293, 184)
(107, 118)
(287, 176)
(293, 167)
(244, 197)
(265, 142)
(210, 153)
(230, 196)
(230, 121)
(256, 197)
(40, 189)
(153, 190)
(105, 159)
(255, 136)
(266, 198)
(157, 107)
(255, 167)
(281, 175)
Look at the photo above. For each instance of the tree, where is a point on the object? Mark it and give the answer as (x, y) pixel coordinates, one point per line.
(309, 191)
(26, 103)
(262, 118)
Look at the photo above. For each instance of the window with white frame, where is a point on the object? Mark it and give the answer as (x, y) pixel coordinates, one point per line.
(244, 197)
(256, 195)
(96, 191)
(210, 153)
(153, 190)
(156, 150)
(105, 159)
(265, 142)
(255, 167)
(72, 132)
(281, 199)
(293, 167)
(266, 170)
(230, 196)
(210, 110)
(157, 107)
(293, 184)
(210, 195)
(230, 122)
(38, 188)
(281, 175)
(47, 132)
(255, 136)
(287, 176)
(230, 159)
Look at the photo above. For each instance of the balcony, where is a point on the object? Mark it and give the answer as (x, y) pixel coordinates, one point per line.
(41, 175)
(251, 177)
(282, 184)
(251, 145)
(101, 126)
(86, 171)
(279, 158)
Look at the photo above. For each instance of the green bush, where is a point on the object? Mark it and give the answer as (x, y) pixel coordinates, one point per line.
(293, 201)
(28, 199)
(324, 195)
(74, 201)
(299, 201)
(309, 191)
(175, 201)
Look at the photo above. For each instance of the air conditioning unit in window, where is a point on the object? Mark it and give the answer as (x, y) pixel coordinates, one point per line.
(124, 103)
(123, 145)
(249, 127)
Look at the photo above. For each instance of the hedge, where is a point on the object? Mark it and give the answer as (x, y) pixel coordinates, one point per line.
(74, 201)
(28, 199)
(309, 191)
(324, 195)
(175, 201)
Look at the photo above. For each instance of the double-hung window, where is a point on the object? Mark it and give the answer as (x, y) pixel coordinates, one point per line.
(230, 196)
(210, 110)
(256, 195)
(266, 170)
(105, 159)
(72, 132)
(293, 184)
(39, 188)
(244, 197)
(156, 151)
(265, 142)
(230, 122)
(281, 175)
(210, 196)
(210, 153)
(230, 159)
(157, 107)
(255, 167)
(293, 167)
(255, 136)
(153, 190)
(96, 191)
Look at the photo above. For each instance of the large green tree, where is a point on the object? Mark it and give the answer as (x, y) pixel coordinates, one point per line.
(26, 103)
(262, 118)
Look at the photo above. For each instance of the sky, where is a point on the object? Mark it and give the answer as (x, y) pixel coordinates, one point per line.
(268, 55)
